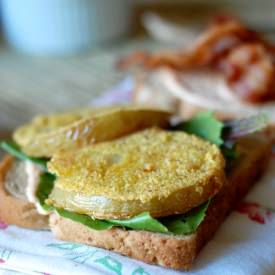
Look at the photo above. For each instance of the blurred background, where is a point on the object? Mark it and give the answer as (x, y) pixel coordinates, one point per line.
(56, 54)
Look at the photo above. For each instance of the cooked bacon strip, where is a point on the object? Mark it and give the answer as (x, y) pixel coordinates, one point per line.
(250, 72)
(217, 40)
(246, 59)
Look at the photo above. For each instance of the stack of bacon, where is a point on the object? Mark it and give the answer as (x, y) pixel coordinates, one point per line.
(244, 57)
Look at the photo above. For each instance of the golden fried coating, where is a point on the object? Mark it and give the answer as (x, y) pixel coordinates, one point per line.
(46, 134)
(153, 170)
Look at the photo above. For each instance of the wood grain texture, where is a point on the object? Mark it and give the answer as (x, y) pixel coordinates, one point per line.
(32, 85)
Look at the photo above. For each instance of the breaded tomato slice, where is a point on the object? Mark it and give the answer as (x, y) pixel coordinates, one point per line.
(44, 135)
(154, 170)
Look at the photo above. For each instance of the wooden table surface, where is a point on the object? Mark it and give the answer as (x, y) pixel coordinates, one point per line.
(32, 85)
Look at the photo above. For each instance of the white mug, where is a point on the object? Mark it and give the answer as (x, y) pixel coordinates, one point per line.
(63, 26)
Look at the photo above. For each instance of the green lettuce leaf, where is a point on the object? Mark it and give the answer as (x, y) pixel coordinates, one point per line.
(13, 149)
(182, 225)
(84, 219)
(143, 221)
(187, 223)
(178, 225)
(204, 125)
(45, 186)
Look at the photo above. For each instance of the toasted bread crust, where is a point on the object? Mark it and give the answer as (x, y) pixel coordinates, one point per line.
(16, 211)
(176, 252)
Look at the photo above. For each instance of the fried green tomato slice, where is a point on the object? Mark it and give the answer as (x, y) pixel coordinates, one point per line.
(154, 170)
(46, 134)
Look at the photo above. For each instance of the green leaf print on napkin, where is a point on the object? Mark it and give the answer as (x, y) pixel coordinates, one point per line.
(111, 264)
(65, 246)
(75, 252)
(140, 271)
(5, 254)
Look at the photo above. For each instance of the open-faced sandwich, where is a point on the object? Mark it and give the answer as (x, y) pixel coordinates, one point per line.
(24, 171)
(228, 65)
(157, 192)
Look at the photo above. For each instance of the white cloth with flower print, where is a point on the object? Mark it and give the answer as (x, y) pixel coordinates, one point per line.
(244, 244)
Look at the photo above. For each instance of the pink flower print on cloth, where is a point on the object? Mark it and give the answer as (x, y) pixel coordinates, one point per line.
(256, 212)
(2, 261)
(3, 225)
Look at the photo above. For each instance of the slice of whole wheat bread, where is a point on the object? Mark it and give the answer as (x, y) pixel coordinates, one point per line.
(17, 211)
(176, 252)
